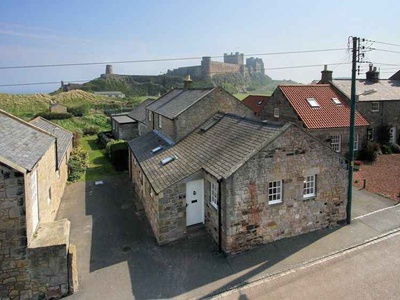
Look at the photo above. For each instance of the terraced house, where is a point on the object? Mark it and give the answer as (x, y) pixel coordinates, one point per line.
(33, 174)
(248, 182)
(321, 110)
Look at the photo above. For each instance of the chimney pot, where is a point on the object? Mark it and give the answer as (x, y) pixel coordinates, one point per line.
(186, 82)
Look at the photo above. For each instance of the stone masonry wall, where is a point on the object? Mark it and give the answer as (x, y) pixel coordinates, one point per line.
(218, 100)
(211, 213)
(61, 177)
(167, 126)
(127, 131)
(24, 273)
(251, 221)
(389, 114)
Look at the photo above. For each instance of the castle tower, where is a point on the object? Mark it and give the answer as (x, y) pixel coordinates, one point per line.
(206, 67)
(109, 70)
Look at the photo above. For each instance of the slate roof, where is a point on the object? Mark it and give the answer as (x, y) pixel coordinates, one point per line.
(256, 103)
(173, 103)
(220, 150)
(139, 112)
(22, 143)
(64, 137)
(385, 89)
(123, 119)
(328, 115)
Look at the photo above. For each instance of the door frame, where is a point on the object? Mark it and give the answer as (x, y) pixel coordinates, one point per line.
(201, 200)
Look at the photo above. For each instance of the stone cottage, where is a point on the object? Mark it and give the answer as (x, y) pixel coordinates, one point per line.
(180, 111)
(249, 182)
(139, 115)
(378, 101)
(33, 173)
(318, 108)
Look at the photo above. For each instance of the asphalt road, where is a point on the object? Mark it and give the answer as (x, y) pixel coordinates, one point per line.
(370, 272)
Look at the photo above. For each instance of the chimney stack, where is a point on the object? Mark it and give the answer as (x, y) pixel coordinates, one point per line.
(186, 82)
(326, 75)
(372, 74)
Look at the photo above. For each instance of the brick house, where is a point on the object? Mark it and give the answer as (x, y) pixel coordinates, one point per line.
(318, 108)
(256, 103)
(180, 111)
(380, 104)
(139, 115)
(249, 182)
(123, 127)
(33, 173)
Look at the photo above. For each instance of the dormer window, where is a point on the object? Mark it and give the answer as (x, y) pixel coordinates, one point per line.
(336, 101)
(167, 160)
(156, 149)
(313, 103)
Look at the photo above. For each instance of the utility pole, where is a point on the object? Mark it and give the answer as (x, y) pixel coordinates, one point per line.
(355, 49)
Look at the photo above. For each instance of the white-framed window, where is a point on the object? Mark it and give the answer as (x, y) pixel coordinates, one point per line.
(214, 194)
(313, 103)
(336, 142)
(113, 124)
(356, 142)
(275, 192)
(375, 106)
(276, 112)
(309, 186)
(392, 135)
(150, 115)
(160, 121)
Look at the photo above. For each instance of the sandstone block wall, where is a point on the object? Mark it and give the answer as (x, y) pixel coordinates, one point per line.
(251, 221)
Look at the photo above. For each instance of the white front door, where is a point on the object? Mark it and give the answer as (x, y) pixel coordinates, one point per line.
(194, 202)
(35, 205)
(393, 134)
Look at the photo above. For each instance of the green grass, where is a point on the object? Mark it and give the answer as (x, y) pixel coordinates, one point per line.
(99, 166)
(78, 123)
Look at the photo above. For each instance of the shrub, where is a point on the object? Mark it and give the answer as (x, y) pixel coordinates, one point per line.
(383, 134)
(77, 139)
(367, 153)
(77, 164)
(395, 148)
(90, 130)
(386, 149)
(117, 152)
(54, 115)
(80, 110)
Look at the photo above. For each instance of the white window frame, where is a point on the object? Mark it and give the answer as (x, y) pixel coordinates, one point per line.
(149, 115)
(375, 106)
(392, 135)
(276, 112)
(275, 192)
(356, 141)
(160, 121)
(214, 194)
(309, 186)
(336, 142)
(313, 103)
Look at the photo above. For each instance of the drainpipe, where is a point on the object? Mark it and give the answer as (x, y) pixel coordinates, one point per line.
(219, 216)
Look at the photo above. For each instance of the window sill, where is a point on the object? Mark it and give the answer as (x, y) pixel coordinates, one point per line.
(274, 203)
(308, 197)
(214, 205)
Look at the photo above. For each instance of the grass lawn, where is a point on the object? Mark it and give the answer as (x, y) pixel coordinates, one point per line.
(99, 166)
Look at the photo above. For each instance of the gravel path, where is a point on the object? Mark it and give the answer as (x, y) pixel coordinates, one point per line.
(383, 176)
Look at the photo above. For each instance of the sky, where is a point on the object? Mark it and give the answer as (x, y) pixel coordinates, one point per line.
(53, 32)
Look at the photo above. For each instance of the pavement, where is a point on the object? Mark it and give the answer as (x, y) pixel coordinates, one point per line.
(118, 257)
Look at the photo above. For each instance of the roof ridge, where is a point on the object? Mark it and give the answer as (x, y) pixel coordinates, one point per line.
(26, 123)
(51, 123)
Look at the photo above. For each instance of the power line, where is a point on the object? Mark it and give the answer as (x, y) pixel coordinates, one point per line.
(384, 43)
(214, 73)
(160, 59)
(385, 50)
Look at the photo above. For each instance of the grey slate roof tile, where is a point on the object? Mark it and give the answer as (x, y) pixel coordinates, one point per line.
(139, 112)
(220, 150)
(176, 101)
(123, 119)
(22, 143)
(64, 137)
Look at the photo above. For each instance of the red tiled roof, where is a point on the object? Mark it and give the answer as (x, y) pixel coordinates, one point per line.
(256, 103)
(328, 114)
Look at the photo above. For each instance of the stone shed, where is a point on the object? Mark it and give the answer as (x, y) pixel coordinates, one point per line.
(123, 127)
(248, 182)
(33, 247)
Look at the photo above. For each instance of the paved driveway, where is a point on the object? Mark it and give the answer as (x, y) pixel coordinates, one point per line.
(118, 257)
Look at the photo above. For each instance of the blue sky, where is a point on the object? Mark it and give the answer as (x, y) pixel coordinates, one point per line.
(51, 32)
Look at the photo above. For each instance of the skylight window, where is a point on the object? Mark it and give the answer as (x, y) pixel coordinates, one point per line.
(336, 101)
(156, 149)
(313, 103)
(259, 103)
(167, 160)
